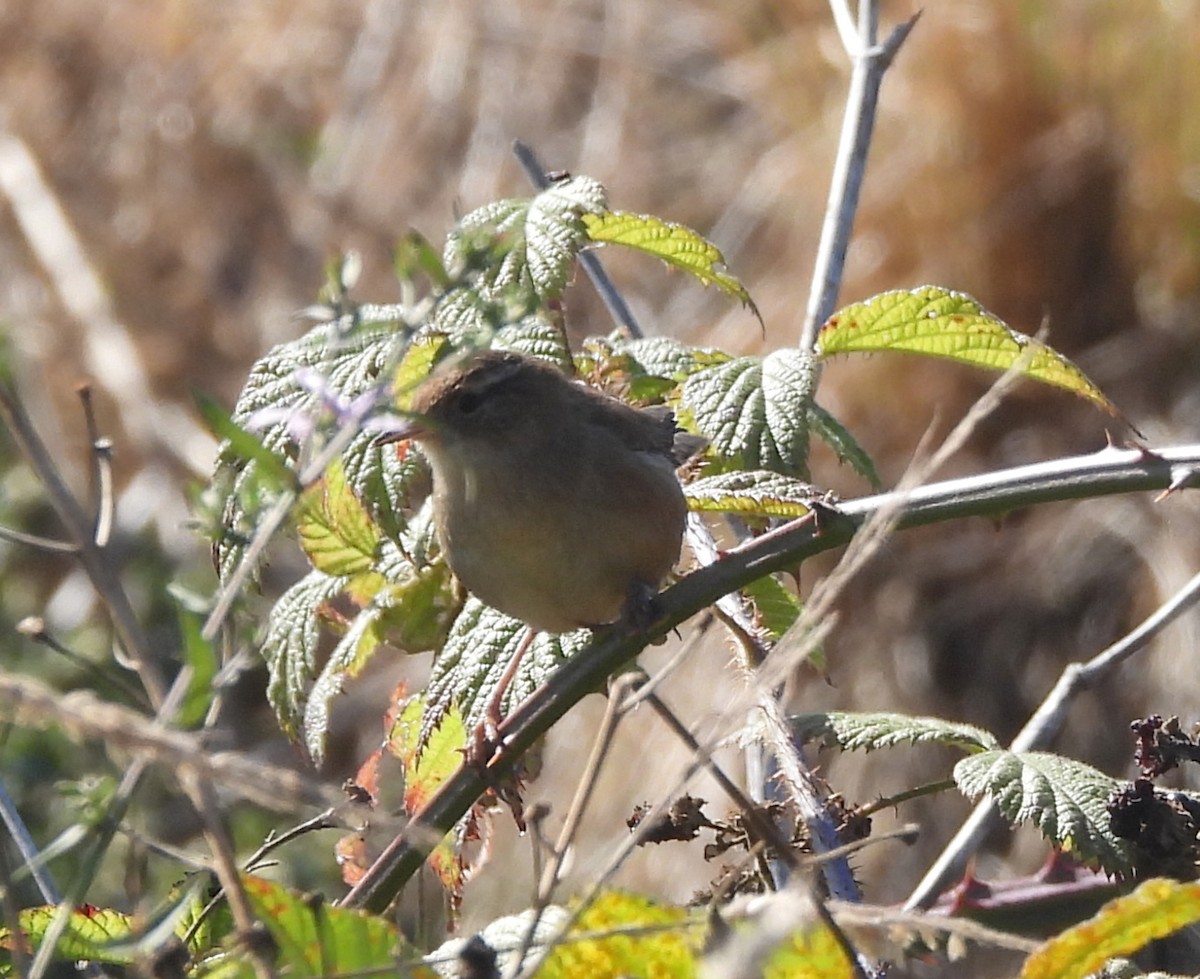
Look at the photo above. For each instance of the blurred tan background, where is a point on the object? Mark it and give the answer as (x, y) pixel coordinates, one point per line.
(205, 159)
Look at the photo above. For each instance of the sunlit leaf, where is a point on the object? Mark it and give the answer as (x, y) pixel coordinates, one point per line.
(870, 730)
(201, 659)
(479, 648)
(88, 933)
(1123, 926)
(675, 244)
(314, 939)
(538, 238)
(759, 493)
(426, 768)
(414, 254)
(1066, 799)
(335, 531)
(290, 646)
(830, 431)
(755, 411)
(627, 935)
(938, 322)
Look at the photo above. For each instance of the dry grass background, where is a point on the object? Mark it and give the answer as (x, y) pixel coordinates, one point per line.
(1044, 157)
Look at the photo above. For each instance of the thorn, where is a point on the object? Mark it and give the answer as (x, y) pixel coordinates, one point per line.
(1181, 478)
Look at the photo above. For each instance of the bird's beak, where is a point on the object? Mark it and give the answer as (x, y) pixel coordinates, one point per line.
(404, 429)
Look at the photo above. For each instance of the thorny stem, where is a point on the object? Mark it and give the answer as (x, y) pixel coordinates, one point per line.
(1107, 472)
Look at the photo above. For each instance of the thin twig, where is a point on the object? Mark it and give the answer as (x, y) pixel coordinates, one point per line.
(106, 500)
(613, 301)
(79, 529)
(756, 822)
(887, 918)
(103, 505)
(548, 880)
(870, 63)
(1040, 731)
(35, 628)
(27, 848)
(36, 542)
(29, 703)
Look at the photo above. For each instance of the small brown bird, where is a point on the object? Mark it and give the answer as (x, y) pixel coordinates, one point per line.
(554, 503)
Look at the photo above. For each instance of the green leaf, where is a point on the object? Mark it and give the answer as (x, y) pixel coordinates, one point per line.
(290, 646)
(1123, 926)
(348, 657)
(538, 238)
(88, 932)
(314, 939)
(199, 655)
(777, 607)
(480, 646)
(418, 361)
(812, 952)
(830, 431)
(103, 934)
(238, 442)
(335, 530)
(536, 336)
(675, 244)
(755, 412)
(352, 354)
(757, 493)
(669, 358)
(776, 610)
(418, 599)
(413, 255)
(938, 322)
(427, 765)
(628, 935)
(867, 731)
(1066, 799)
(410, 609)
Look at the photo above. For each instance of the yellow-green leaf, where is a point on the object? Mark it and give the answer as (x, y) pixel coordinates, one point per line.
(1121, 927)
(418, 360)
(314, 939)
(811, 953)
(426, 767)
(938, 322)
(675, 244)
(335, 530)
(628, 936)
(759, 493)
(88, 932)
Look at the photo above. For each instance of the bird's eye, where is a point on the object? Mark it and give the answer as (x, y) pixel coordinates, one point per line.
(469, 402)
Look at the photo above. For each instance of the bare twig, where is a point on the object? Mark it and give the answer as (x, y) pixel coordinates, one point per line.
(102, 837)
(870, 63)
(548, 880)
(80, 532)
(27, 847)
(1041, 729)
(36, 542)
(28, 703)
(614, 302)
(35, 628)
